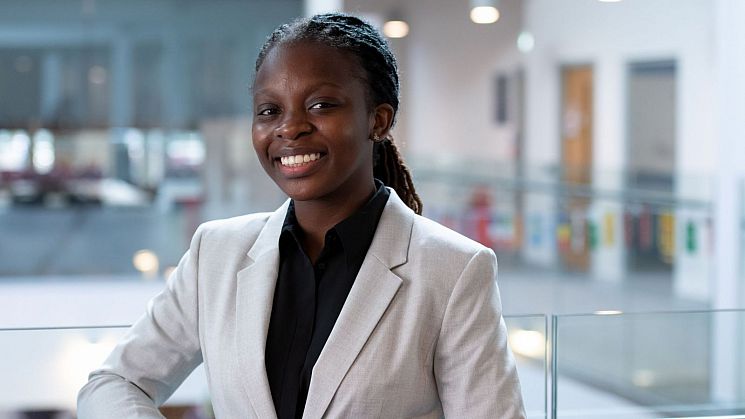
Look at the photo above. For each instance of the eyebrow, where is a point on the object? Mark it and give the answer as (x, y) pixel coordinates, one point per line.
(310, 88)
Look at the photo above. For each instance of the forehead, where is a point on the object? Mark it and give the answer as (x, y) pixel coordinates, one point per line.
(308, 61)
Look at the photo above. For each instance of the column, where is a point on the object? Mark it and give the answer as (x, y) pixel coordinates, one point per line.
(51, 86)
(120, 116)
(312, 7)
(174, 81)
(609, 254)
(728, 341)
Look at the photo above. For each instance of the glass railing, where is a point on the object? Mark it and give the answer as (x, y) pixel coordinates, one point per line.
(742, 229)
(528, 340)
(533, 216)
(610, 227)
(43, 369)
(649, 365)
(635, 242)
(607, 365)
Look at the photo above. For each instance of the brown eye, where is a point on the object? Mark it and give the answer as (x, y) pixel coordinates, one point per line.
(267, 111)
(322, 105)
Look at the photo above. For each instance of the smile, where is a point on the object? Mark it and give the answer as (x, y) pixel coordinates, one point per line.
(299, 160)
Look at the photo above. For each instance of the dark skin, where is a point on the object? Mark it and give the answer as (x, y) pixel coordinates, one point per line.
(311, 100)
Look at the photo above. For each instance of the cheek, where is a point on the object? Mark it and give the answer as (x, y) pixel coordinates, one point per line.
(261, 147)
(258, 138)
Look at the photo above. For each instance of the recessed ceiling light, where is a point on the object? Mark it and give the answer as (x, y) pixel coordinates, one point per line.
(525, 42)
(484, 14)
(395, 29)
(484, 11)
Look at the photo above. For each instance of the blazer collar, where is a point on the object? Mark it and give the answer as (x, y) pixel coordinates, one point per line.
(393, 235)
(254, 296)
(372, 292)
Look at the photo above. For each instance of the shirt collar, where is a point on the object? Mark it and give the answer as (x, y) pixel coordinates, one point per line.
(355, 232)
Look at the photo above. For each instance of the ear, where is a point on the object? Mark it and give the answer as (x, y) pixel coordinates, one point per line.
(381, 120)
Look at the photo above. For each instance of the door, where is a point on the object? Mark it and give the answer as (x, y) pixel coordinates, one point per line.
(576, 163)
(651, 167)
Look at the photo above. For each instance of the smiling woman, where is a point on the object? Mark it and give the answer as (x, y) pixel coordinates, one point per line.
(344, 302)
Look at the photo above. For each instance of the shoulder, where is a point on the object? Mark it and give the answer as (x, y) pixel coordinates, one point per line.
(244, 228)
(440, 256)
(430, 235)
(426, 237)
(235, 224)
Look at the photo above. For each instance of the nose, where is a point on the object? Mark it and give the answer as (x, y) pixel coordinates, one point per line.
(293, 126)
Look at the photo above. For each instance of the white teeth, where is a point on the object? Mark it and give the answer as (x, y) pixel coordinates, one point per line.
(299, 159)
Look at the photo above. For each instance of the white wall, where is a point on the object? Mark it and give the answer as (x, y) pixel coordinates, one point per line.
(451, 78)
(448, 74)
(610, 36)
(312, 7)
(729, 291)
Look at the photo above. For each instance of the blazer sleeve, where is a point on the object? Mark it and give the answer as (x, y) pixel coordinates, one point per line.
(474, 367)
(155, 356)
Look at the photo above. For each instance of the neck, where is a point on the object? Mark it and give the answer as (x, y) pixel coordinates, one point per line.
(316, 217)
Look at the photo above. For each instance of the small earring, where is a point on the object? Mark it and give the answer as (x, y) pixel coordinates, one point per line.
(376, 138)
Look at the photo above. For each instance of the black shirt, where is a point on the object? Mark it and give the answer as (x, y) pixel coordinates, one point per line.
(308, 299)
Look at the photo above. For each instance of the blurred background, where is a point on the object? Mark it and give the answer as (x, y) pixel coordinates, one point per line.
(597, 146)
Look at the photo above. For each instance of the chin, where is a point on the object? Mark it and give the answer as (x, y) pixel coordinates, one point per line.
(299, 191)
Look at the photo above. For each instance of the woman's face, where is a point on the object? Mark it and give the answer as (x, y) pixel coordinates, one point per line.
(311, 124)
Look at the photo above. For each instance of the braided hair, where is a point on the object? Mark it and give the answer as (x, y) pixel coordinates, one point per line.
(353, 35)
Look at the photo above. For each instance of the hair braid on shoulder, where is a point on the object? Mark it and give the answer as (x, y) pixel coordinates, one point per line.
(391, 169)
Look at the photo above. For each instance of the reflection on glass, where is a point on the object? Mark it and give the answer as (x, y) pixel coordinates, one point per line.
(146, 262)
(527, 339)
(649, 365)
(14, 150)
(43, 369)
(43, 155)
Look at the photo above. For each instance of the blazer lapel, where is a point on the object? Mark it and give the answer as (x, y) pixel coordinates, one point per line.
(372, 292)
(255, 293)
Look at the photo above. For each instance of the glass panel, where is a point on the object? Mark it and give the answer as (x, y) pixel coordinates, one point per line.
(742, 229)
(43, 369)
(649, 365)
(528, 340)
(590, 241)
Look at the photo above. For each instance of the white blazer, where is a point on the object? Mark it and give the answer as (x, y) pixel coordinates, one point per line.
(420, 335)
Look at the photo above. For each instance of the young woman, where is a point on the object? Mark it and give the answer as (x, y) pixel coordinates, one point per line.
(344, 302)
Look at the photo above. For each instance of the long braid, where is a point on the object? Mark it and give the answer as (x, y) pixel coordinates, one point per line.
(391, 169)
(352, 34)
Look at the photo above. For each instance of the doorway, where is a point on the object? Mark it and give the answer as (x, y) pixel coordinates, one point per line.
(651, 163)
